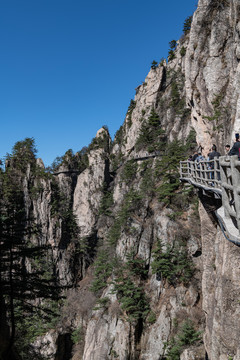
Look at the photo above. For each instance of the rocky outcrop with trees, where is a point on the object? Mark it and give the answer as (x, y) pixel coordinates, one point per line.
(106, 255)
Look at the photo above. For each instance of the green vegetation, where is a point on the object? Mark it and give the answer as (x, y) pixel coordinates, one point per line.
(131, 297)
(186, 336)
(114, 354)
(129, 112)
(102, 270)
(26, 267)
(171, 54)
(130, 292)
(23, 154)
(129, 171)
(117, 160)
(166, 171)
(147, 185)
(216, 108)
(187, 25)
(191, 141)
(61, 209)
(71, 161)
(119, 135)
(102, 303)
(220, 112)
(136, 266)
(151, 319)
(177, 97)
(154, 65)
(106, 201)
(125, 284)
(102, 141)
(131, 202)
(171, 262)
(79, 162)
(77, 335)
(183, 51)
(161, 63)
(151, 134)
(35, 323)
(176, 102)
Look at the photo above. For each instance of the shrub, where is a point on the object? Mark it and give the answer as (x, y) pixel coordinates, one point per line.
(131, 202)
(171, 54)
(151, 319)
(151, 133)
(106, 201)
(147, 185)
(186, 336)
(183, 51)
(191, 141)
(136, 266)
(119, 135)
(102, 270)
(129, 171)
(162, 62)
(166, 169)
(173, 263)
(101, 141)
(131, 297)
(154, 65)
(187, 24)
(102, 303)
(129, 112)
(77, 335)
(23, 154)
(115, 231)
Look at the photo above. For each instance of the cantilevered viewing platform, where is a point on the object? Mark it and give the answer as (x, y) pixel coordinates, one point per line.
(222, 178)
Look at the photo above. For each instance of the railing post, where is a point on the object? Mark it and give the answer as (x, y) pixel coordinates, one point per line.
(235, 167)
(215, 170)
(224, 171)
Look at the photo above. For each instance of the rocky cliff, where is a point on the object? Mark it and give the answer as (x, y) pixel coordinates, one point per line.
(144, 268)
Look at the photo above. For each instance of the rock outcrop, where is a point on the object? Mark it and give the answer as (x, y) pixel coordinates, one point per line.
(109, 211)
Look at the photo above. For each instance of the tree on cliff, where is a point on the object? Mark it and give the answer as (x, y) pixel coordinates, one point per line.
(22, 279)
(187, 24)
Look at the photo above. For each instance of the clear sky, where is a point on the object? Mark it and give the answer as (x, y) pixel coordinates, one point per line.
(67, 67)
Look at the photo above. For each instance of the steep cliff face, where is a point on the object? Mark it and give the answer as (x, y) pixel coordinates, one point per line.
(220, 288)
(146, 273)
(197, 89)
(212, 71)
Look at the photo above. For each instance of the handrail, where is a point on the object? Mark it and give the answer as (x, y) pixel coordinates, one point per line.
(220, 176)
(205, 172)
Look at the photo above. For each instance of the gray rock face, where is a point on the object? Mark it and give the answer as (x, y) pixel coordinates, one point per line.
(220, 286)
(212, 71)
(88, 192)
(198, 88)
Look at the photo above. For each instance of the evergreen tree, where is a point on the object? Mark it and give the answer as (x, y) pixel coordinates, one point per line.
(22, 276)
(151, 133)
(187, 25)
(154, 65)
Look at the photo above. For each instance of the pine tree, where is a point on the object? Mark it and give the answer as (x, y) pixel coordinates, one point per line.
(22, 274)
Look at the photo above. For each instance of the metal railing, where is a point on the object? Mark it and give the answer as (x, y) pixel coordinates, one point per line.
(205, 173)
(230, 183)
(220, 176)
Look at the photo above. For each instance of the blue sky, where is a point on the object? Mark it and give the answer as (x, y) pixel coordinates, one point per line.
(67, 67)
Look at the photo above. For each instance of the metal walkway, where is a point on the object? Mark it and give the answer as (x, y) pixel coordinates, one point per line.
(221, 177)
